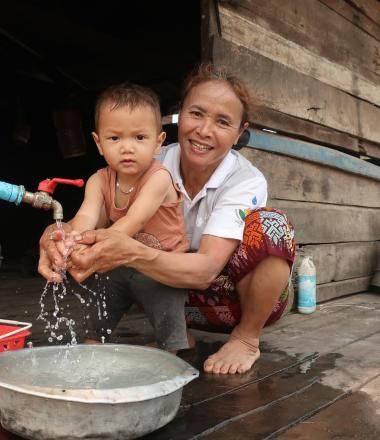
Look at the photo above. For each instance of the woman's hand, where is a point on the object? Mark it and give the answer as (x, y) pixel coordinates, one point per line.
(105, 249)
(109, 248)
(52, 260)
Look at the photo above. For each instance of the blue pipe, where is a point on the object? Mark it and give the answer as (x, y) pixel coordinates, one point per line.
(11, 193)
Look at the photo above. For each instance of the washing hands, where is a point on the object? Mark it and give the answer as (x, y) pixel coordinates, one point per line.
(66, 246)
(56, 248)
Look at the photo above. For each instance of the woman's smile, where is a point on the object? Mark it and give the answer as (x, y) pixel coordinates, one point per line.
(200, 147)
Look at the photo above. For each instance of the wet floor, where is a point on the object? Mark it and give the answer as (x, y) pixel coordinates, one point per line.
(305, 386)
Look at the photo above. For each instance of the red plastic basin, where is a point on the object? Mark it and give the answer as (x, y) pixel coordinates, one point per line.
(12, 342)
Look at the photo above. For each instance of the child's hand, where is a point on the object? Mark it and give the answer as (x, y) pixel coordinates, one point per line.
(67, 243)
(52, 262)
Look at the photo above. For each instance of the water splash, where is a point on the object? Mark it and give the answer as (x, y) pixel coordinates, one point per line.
(57, 324)
(54, 309)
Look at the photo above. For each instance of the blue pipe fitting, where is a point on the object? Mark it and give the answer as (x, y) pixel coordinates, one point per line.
(11, 193)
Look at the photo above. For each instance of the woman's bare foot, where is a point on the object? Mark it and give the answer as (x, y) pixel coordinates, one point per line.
(237, 355)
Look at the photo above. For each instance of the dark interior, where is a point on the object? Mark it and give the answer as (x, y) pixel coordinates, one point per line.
(56, 56)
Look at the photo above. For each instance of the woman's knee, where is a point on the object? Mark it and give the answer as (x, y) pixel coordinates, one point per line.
(271, 273)
(268, 232)
(268, 226)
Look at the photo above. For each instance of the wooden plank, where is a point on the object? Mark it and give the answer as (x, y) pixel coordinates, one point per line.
(370, 149)
(304, 333)
(328, 314)
(319, 223)
(369, 7)
(312, 152)
(341, 261)
(347, 375)
(264, 117)
(353, 12)
(207, 387)
(344, 50)
(364, 403)
(207, 28)
(283, 89)
(251, 399)
(376, 277)
(353, 338)
(295, 179)
(242, 32)
(337, 370)
(262, 425)
(328, 291)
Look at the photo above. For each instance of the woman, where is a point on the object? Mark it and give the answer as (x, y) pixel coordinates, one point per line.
(242, 253)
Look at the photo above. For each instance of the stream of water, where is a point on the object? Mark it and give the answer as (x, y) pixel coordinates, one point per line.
(60, 327)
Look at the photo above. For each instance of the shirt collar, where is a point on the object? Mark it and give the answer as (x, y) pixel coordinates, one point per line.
(223, 169)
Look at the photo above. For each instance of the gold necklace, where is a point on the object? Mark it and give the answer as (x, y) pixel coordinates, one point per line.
(121, 189)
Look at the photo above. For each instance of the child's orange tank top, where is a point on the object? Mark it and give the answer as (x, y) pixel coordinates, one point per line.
(166, 229)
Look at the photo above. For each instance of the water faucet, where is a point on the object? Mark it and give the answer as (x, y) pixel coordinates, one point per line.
(41, 198)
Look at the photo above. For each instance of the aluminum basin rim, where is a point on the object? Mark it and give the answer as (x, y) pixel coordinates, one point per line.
(101, 398)
(111, 395)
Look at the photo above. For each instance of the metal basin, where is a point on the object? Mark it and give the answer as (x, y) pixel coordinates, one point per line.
(106, 391)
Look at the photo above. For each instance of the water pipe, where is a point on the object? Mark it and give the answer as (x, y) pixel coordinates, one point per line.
(41, 198)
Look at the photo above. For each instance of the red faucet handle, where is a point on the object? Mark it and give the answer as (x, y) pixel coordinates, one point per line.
(49, 185)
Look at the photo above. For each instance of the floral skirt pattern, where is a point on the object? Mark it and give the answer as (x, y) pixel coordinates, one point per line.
(267, 232)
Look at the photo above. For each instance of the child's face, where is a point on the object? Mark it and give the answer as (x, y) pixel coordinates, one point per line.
(128, 139)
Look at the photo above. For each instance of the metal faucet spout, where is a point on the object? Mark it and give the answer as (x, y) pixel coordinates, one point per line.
(43, 200)
(57, 210)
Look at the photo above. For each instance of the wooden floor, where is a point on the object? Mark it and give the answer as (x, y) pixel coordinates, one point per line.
(315, 371)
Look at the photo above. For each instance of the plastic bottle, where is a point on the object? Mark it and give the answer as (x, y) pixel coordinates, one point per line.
(307, 286)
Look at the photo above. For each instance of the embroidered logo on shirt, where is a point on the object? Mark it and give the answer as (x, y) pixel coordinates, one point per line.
(241, 214)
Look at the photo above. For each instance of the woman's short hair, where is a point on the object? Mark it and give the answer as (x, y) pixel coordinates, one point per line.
(209, 72)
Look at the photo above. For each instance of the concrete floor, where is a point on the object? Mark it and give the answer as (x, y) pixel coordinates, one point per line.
(318, 377)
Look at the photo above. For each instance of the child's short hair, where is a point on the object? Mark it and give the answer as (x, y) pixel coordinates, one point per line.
(129, 95)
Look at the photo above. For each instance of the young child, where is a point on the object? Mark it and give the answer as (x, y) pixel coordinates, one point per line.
(135, 194)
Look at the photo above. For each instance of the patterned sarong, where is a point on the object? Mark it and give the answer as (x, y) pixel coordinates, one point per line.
(267, 232)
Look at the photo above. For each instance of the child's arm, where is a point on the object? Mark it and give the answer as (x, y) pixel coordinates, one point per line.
(91, 213)
(150, 198)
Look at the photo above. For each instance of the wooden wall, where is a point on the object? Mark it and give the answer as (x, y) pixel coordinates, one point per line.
(336, 216)
(314, 67)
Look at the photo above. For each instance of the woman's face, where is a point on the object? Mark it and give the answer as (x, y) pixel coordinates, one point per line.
(209, 124)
